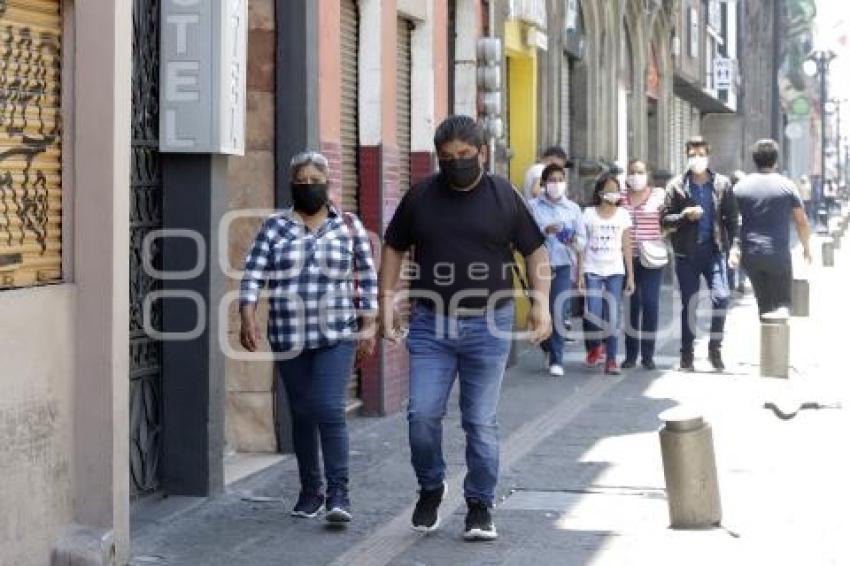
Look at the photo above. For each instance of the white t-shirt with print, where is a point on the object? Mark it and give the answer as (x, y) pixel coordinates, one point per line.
(604, 250)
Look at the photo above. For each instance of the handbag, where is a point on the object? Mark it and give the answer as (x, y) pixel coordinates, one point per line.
(653, 254)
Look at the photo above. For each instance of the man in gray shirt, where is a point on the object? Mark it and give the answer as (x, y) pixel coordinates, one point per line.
(768, 202)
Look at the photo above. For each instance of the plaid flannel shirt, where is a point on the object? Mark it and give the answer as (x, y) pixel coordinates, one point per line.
(311, 279)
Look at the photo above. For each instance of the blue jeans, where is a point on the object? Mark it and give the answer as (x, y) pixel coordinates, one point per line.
(441, 348)
(600, 293)
(709, 264)
(316, 383)
(561, 286)
(643, 313)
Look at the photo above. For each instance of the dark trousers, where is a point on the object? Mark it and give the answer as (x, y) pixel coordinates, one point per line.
(316, 384)
(709, 264)
(771, 280)
(643, 313)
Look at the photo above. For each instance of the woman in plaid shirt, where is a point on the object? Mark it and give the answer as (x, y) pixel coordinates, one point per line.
(322, 291)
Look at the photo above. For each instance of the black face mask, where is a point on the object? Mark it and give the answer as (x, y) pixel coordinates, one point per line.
(462, 172)
(309, 198)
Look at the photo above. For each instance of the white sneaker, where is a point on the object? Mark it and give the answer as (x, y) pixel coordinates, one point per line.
(556, 371)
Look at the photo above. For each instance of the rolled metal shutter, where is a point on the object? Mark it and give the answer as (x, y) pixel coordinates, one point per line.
(565, 103)
(30, 143)
(403, 104)
(350, 133)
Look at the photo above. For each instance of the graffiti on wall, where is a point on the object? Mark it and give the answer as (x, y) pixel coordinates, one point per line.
(29, 137)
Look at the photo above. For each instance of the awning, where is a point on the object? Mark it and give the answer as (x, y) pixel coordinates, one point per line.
(694, 94)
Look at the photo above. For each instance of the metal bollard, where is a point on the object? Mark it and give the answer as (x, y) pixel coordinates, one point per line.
(775, 345)
(836, 240)
(828, 254)
(800, 297)
(690, 471)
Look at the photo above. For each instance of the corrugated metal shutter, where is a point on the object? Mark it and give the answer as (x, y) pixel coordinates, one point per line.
(403, 103)
(350, 133)
(565, 103)
(30, 143)
(679, 136)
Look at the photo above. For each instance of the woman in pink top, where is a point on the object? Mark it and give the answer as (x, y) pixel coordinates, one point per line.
(643, 204)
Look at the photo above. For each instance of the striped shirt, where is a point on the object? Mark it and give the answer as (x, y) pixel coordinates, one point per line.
(646, 218)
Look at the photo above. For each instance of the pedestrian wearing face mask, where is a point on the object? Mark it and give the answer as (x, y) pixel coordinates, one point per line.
(322, 286)
(700, 210)
(562, 222)
(606, 269)
(649, 256)
(466, 223)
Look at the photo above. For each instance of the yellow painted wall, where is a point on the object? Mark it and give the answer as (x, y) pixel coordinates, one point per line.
(522, 126)
(522, 100)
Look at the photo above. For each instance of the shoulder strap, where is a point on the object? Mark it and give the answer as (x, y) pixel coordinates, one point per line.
(348, 221)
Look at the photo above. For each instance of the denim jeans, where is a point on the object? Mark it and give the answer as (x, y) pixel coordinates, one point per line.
(442, 348)
(561, 286)
(316, 384)
(709, 264)
(643, 313)
(603, 293)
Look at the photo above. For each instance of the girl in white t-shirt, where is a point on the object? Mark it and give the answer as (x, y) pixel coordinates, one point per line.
(604, 267)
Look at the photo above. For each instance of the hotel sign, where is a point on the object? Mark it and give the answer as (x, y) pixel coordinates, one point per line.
(203, 70)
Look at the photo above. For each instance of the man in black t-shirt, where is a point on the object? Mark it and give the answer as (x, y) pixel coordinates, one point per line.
(464, 227)
(769, 203)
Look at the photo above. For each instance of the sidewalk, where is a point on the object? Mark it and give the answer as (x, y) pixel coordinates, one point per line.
(581, 479)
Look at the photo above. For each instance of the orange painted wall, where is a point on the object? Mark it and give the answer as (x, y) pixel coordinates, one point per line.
(330, 73)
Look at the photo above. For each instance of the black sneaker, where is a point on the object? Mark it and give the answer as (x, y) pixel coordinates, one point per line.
(716, 360)
(628, 364)
(426, 516)
(479, 523)
(338, 507)
(686, 362)
(308, 505)
(648, 365)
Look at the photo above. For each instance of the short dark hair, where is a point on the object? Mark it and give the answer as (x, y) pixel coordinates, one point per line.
(766, 153)
(461, 128)
(599, 187)
(695, 142)
(637, 160)
(549, 169)
(556, 151)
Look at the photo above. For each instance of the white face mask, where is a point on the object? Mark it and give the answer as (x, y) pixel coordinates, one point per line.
(698, 164)
(555, 190)
(637, 182)
(611, 198)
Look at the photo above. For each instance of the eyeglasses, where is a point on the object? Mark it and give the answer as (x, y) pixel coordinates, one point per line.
(306, 157)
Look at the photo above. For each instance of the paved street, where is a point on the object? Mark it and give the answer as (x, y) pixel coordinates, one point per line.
(581, 481)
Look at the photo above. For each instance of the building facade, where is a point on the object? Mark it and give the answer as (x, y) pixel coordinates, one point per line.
(86, 192)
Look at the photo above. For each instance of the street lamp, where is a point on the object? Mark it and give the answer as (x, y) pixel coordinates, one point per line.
(836, 104)
(817, 64)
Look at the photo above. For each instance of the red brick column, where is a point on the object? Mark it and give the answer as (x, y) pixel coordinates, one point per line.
(421, 165)
(333, 152)
(385, 375)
